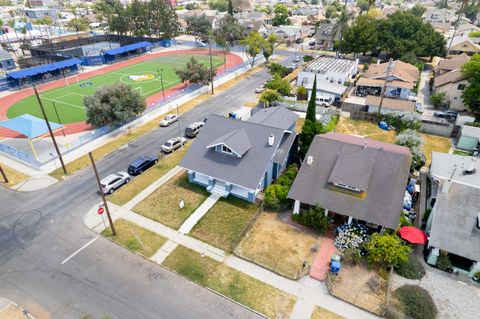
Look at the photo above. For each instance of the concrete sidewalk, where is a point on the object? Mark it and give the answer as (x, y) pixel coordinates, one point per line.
(10, 310)
(188, 225)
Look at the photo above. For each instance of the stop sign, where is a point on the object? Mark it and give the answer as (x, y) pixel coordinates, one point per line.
(100, 210)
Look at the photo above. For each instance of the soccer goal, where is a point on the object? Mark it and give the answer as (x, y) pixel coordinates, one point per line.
(72, 80)
(139, 89)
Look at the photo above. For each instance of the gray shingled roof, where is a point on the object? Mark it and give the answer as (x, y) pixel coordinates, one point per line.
(278, 117)
(284, 148)
(385, 186)
(236, 140)
(246, 171)
(4, 55)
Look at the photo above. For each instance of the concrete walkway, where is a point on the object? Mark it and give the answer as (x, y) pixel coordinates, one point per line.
(188, 225)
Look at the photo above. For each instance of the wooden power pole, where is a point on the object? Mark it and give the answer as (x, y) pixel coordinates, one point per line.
(110, 221)
(5, 178)
(50, 130)
(384, 88)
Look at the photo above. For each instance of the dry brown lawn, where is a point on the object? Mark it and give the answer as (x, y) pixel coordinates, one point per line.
(360, 286)
(11, 312)
(278, 246)
(364, 129)
(321, 313)
(434, 143)
(163, 204)
(14, 177)
(227, 281)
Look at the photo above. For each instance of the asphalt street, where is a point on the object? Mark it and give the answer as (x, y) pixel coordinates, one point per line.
(39, 230)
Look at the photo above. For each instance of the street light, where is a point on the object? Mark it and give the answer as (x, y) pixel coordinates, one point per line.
(160, 72)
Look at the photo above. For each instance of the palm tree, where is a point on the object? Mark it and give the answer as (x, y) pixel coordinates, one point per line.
(339, 26)
(370, 3)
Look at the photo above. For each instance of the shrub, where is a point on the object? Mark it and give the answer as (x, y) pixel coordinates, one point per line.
(416, 302)
(418, 158)
(404, 221)
(351, 236)
(474, 124)
(438, 99)
(403, 121)
(443, 261)
(352, 256)
(474, 34)
(412, 269)
(408, 138)
(301, 93)
(276, 68)
(276, 194)
(387, 250)
(308, 58)
(280, 85)
(313, 218)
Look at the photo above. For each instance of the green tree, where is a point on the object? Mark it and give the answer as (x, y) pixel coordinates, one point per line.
(268, 96)
(137, 11)
(228, 32)
(78, 24)
(387, 250)
(220, 5)
(162, 19)
(438, 99)
(418, 10)
(277, 68)
(312, 103)
(194, 72)
(363, 5)
(253, 44)
(230, 8)
(113, 104)
(269, 46)
(471, 10)
(280, 85)
(471, 95)
(199, 26)
(360, 37)
(281, 15)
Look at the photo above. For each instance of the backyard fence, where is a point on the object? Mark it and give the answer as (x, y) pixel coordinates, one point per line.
(188, 92)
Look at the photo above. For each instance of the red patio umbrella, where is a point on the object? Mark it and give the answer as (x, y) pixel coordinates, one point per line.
(413, 235)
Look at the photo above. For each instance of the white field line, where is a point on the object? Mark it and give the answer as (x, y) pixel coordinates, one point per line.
(80, 249)
(65, 103)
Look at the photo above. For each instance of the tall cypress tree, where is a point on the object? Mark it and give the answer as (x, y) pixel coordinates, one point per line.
(230, 8)
(312, 103)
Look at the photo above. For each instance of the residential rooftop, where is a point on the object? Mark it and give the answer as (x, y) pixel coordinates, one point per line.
(329, 64)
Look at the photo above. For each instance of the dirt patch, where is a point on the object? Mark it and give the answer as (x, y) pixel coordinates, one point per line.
(364, 129)
(320, 313)
(360, 286)
(278, 246)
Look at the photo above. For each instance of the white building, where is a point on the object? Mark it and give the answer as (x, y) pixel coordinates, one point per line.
(332, 74)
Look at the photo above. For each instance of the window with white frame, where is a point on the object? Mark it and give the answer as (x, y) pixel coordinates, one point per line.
(226, 149)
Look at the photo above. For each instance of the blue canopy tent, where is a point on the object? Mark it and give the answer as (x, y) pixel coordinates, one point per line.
(35, 72)
(30, 126)
(110, 54)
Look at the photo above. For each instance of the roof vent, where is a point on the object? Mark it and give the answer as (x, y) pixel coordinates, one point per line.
(446, 186)
(470, 170)
(271, 139)
(309, 160)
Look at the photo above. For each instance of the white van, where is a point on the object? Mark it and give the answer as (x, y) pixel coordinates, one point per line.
(324, 100)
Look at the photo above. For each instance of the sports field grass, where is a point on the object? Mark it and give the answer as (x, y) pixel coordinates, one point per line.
(143, 76)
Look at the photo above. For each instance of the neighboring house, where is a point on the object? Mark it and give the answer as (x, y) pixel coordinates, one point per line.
(438, 15)
(403, 77)
(453, 225)
(444, 28)
(326, 35)
(290, 33)
(39, 13)
(241, 158)
(306, 11)
(254, 25)
(6, 60)
(449, 80)
(212, 15)
(355, 177)
(469, 138)
(332, 76)
(388, 105)
(463, 44)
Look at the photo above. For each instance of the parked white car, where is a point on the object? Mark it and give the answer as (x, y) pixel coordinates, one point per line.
(260, 89)
(114, 181)
(169, 119)
(173, 144)
(297, 58)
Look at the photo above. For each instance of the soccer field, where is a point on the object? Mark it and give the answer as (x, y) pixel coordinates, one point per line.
(143, 76)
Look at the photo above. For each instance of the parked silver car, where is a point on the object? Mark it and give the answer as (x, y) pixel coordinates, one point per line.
(173, 144)
(114, 181)
(169, 119)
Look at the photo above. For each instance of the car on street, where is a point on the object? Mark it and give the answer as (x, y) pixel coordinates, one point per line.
(141, 164)
(312, 43)
(293, 66)
(419, 107)
(193, 129)
(449, 115)
(173, 144)
(169, 120)
(297, 58)
(260, 89)
(114, 181)
(202, 44)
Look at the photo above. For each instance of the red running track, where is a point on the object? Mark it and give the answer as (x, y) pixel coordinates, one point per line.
(71, 128)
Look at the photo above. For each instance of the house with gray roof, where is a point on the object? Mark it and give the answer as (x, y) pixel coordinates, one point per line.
(469, 138)
(355, 177)
(241, 158)
(6, 60)
(453, 225)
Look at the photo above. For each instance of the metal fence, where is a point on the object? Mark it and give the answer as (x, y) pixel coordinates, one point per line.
(50, 154)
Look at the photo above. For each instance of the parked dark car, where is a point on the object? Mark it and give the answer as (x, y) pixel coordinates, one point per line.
(141, 164)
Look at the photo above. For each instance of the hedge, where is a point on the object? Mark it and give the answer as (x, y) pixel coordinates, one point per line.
(416, 302)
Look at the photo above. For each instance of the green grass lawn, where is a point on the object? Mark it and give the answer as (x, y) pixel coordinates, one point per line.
(136, 238)
(68, 99)
(238, 286)
(162, 204)
(224, 222)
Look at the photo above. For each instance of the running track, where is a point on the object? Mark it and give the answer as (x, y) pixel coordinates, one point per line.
(77, 127)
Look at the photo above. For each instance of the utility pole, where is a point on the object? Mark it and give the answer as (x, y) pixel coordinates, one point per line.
(161, 81)
(110, 221)
(382, 93)
(211, 64)
(50, 129)
(179, 129)
(5, 178)
(460, 12)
